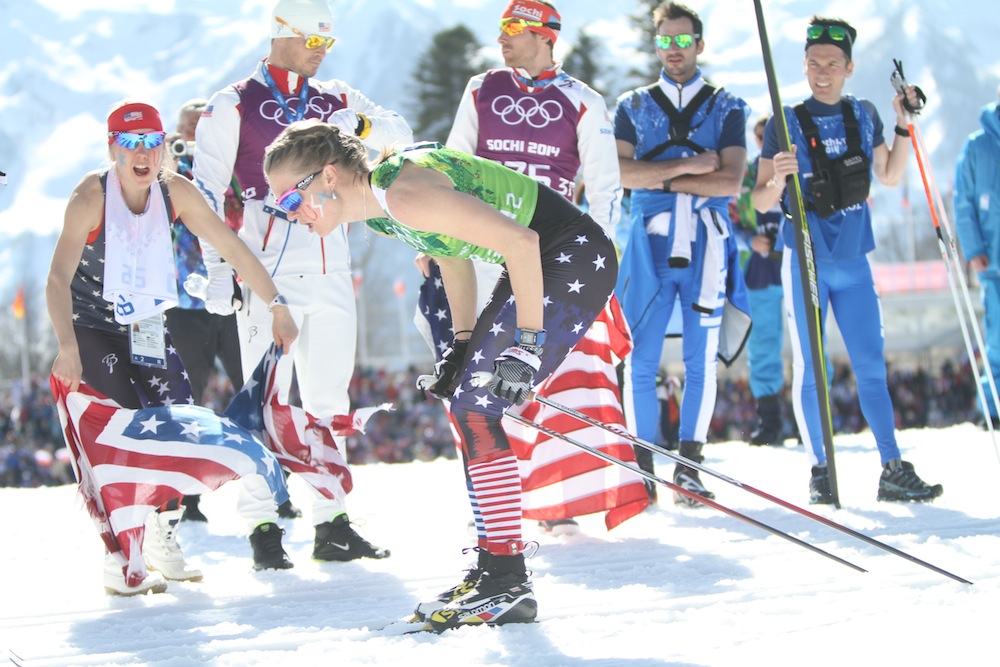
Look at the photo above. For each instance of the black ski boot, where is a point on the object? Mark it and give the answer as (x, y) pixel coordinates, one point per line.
(337, 540)
(644, 459)
(688, 478)
(268, 554)
(191, 509)
(769, 428)
(426, 608)
(503, 595)
(819, 487)
(287, 510)
(900, 482)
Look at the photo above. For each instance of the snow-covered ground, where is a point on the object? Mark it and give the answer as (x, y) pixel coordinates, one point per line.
(669, 587)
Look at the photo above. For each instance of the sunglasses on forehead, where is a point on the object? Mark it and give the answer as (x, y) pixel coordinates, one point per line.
(130, 140)
(312, 41)
(837, 33)
(514, 26)
(292, 198)
(683, 41)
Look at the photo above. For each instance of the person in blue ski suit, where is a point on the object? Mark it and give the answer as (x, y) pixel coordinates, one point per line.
(977, 221)
(761, 262)
(682, 152)
(841, 241)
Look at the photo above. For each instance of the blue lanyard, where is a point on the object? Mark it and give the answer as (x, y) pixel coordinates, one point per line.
(300, 112)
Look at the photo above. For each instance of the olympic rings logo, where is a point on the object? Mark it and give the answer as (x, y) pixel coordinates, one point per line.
(527, 110)
(318, 105)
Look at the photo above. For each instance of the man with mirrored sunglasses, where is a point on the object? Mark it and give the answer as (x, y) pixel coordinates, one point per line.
(314, 273)
(682, 151)
(837, 144)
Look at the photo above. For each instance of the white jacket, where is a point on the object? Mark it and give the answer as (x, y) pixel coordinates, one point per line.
(284, 248)
(595, 143)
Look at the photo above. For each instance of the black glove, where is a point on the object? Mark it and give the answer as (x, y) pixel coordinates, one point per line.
(514, 371)
(449, 369)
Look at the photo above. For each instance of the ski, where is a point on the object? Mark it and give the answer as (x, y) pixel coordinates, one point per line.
(807, 262)
(406, 626)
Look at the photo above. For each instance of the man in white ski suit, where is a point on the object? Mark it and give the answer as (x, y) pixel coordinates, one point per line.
(312, 273)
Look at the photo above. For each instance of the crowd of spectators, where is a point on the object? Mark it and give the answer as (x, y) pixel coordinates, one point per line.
(921, 399)
(32, 451)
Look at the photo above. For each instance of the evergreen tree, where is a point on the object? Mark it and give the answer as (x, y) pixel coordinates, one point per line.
(583, 63)
(439, 80)
(642, 19)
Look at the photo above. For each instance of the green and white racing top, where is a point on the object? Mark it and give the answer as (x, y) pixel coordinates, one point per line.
(509, 192)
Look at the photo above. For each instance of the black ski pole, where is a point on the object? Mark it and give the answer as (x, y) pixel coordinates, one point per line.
(807, 262)
(680, 489)
(618, 431)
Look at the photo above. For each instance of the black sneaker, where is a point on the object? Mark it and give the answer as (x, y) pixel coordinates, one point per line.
(819, 487)
(287, 510)
(687, 478)
(191, 510)
(900, 482)
(337, 540)
(503, 595)
(268, 554)
(472, 576)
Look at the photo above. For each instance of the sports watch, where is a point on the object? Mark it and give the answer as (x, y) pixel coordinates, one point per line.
(529, 337)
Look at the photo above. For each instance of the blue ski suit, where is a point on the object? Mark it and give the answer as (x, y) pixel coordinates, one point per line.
(977, 221)
(844, 279)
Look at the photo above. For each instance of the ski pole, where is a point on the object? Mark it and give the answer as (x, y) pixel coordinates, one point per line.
(680, 489)
(481, 378)
(807, 262)
(955, 275)
(953, 264)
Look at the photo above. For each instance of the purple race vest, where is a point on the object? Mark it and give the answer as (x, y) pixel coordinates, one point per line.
(531, 132)
(261, 121)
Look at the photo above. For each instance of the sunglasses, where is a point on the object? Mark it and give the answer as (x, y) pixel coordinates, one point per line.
(514, 26)
(684, 41)
(292, 199)
(130, 140)
(312, 41)
(837, 33)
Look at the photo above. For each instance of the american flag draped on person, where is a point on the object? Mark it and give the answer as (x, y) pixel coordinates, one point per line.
(129, 462)
(560, 481)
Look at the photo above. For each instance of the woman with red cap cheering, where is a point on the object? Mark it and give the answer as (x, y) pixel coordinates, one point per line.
(112, 276)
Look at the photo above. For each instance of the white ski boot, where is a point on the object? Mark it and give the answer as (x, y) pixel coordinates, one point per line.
(161, 549)
(114, 580)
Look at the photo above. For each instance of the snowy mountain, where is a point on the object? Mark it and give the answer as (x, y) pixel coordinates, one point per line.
(63, 64)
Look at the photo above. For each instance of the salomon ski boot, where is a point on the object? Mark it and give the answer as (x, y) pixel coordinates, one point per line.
(503, 595)
(819, 487)
(900, 482)
(688, 478)
(424, 609)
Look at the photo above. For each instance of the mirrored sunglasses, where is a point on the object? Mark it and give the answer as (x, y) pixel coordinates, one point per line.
(683, 41)
(291, 200)
(515, 26)
(312, 41)
(837, 33)
(130, 140)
